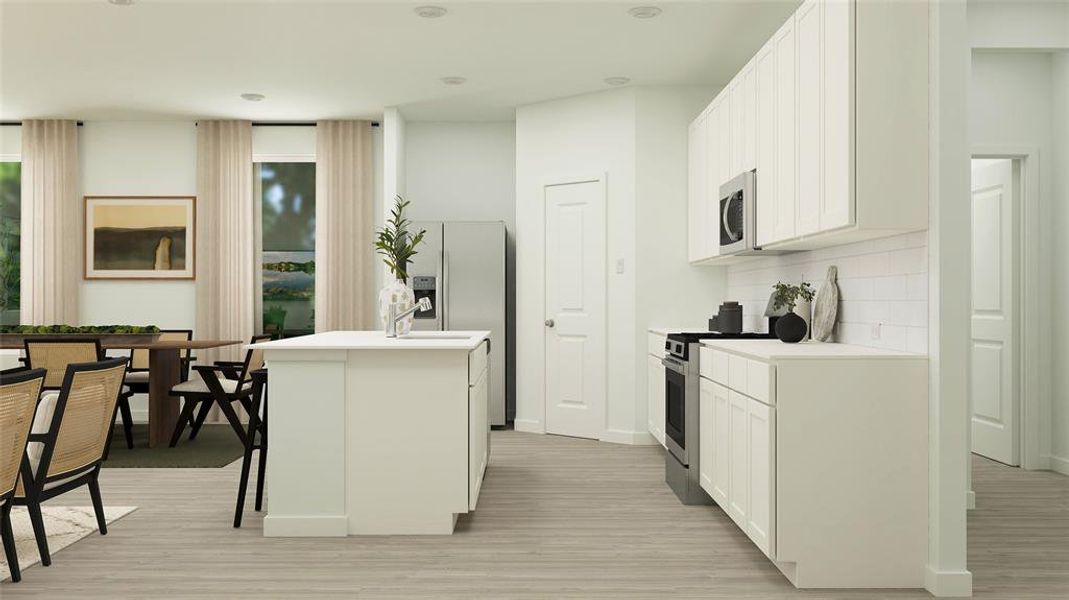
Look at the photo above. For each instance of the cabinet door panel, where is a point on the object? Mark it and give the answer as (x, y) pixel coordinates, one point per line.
(808, 26)
(706, 434)
(760, 523)
(655, 397)
(739, 496)
(765, 160)
(718, 155)
(786, 149)
(697, 169)
(720, 477)
(478, 436)
(748, 119)
(837, 204)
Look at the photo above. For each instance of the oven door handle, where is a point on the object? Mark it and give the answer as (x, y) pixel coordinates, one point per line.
(674, 365)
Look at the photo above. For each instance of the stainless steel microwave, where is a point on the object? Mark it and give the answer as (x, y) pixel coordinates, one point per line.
(738, 220)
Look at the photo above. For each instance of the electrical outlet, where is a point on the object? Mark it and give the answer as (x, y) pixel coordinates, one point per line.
(876, 331)
(619, 266)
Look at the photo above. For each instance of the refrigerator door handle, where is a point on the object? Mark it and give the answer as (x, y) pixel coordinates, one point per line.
(439, 306)
(445, 291)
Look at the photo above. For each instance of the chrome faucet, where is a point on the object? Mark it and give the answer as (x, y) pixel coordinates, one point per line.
(393, 317)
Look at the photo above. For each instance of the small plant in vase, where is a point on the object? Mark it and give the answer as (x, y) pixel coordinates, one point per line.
(791, 327)
(397, 246)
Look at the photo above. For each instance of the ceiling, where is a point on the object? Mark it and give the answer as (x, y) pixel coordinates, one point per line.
(160, 59)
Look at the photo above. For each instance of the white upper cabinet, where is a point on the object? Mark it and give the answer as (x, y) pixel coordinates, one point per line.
(833, 114)
(696, 176)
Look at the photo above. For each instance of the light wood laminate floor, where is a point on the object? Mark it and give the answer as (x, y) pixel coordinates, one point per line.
(558, 518)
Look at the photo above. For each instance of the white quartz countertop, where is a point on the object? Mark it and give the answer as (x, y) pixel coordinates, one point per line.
(377, 340)
(771, 349)
(667, 330)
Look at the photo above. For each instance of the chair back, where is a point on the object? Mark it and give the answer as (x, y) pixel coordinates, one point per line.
(84, 411)
(139, 356)
(55, 354)
(19, 391)
(254, 359)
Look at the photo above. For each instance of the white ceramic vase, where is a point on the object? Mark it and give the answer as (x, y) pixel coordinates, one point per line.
(804, 309)
(398, 292)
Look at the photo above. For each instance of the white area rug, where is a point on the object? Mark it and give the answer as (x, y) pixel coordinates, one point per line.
(64, 525)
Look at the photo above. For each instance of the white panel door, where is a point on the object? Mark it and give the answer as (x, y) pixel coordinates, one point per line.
(761, 516)
(575, 308)
(716, 154)
(738, 507)
(748, 119)
(786, 150)
(808, 24)
(765, 163)
(706, 434)
(721, 474)
(994, 382)
(697, 170)
(837, 206)
(655, 397)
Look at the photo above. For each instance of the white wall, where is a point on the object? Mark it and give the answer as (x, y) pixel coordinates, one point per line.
(466, 171)
(883, 289)
(637, 138)
(137, 158)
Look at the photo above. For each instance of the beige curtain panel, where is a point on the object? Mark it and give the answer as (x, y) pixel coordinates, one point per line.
(52, 236)
(225, 237)
(344, 283)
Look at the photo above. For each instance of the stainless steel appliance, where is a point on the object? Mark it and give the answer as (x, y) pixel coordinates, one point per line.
(681, 468)
(461, 268)
(738, 217)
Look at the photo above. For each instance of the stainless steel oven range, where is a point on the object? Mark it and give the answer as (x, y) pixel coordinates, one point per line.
(681, 411)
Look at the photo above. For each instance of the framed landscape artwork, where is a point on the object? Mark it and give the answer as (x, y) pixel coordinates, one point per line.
(140, 237)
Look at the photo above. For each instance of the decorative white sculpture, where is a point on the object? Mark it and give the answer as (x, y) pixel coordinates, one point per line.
(827, 307)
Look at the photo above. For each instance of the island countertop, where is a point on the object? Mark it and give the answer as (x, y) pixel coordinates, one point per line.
(377, 340)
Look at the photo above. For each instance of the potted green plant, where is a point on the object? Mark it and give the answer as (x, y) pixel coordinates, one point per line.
(791, 327)
(397, 245)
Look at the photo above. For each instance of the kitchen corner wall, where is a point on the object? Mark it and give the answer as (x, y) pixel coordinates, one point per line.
(883, 288)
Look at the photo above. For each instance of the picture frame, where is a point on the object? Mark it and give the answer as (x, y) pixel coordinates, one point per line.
(140, 237)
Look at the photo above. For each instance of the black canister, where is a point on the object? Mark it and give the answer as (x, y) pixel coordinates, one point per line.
(728, 319)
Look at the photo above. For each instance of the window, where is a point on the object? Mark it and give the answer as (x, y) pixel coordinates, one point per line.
(10, 239)
(287, 191)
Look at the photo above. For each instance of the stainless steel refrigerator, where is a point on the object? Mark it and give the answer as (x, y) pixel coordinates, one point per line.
(461, 268)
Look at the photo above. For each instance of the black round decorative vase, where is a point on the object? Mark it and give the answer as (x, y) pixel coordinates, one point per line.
(791, 328)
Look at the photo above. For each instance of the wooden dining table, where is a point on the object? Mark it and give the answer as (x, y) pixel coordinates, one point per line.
(165, 372)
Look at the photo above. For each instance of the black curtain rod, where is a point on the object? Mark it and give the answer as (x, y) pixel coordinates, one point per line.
(19, 123)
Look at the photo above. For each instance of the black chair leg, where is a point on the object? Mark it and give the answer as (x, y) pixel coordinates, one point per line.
(9, 542)
(202, 414)
(183, 418)
(261, 474)
(243, 483)
(38, 523)
(127, 421)
(98, 505)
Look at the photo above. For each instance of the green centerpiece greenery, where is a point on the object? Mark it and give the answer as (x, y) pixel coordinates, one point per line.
(787, 295)
(79, 329)
(394, 242)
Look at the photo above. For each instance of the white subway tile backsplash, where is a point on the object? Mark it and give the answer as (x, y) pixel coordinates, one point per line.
(882, 283)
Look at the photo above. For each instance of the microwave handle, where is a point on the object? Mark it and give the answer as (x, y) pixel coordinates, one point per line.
(734, 236)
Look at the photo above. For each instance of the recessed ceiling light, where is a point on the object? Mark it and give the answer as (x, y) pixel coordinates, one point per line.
(121, 2)
(252, 97)
(644, 12)
(453, 80)
(430, 12)
(617, 80)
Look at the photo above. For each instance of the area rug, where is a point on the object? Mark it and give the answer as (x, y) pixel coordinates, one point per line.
(216, 446)
(64, 525)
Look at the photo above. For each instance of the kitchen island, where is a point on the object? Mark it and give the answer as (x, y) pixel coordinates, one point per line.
(371, 435)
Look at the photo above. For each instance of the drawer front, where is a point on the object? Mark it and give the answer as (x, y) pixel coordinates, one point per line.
(720, 364)
(760, 382)
(655, 344)
(738, 368)
(705, 363)
(744, 375)
(477, 360)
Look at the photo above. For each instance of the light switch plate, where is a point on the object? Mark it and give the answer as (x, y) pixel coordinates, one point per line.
(619, 266)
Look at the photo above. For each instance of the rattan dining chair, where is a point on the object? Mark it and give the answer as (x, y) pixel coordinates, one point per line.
(137, 372)
(66, 445)
(55, 354)
(19, 391)
(210, 389)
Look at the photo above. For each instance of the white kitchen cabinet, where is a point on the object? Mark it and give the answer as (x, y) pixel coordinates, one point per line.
(478, 429)
(832, 112)
(828, 477)
(697, 171)
(655, 397)
(716, 153)
(760, 456)
(706, 414)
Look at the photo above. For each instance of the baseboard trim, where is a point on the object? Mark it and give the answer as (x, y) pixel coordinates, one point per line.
(970, 500)
(630, 438)
(528, 426)
(306, 526)
(948, 584)
(1059, 465)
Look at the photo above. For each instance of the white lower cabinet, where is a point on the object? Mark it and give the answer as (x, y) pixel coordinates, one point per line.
(655, 396)
(478, 429)
(737, 467)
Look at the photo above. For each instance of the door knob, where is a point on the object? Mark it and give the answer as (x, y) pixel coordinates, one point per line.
(549, 323)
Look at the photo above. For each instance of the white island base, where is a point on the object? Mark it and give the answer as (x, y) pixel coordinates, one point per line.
(375, 436)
